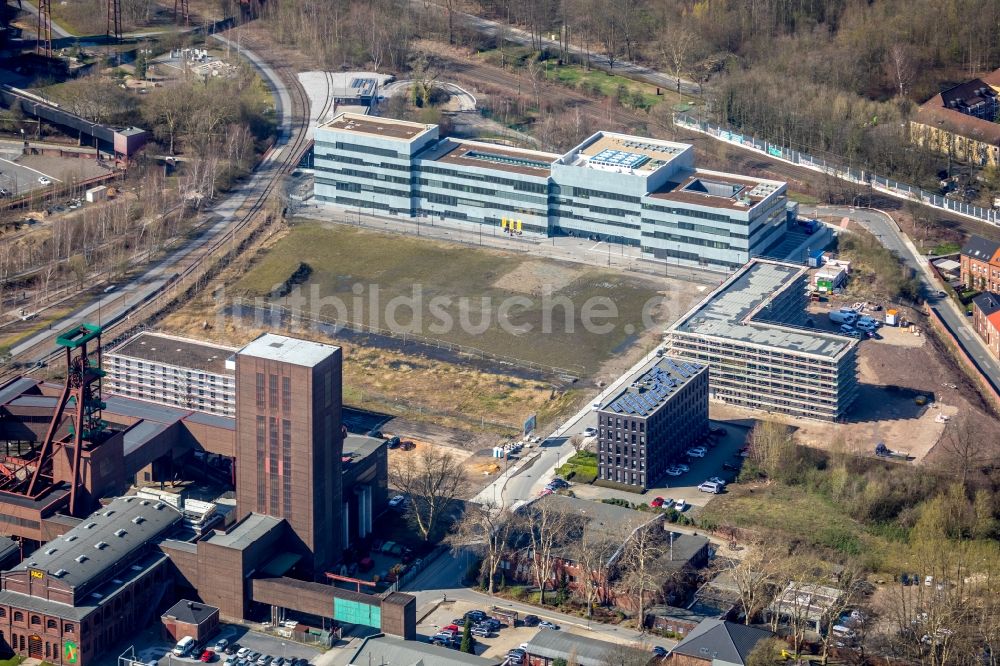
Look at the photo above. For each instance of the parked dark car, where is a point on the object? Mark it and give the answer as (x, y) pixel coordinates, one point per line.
(392, 442)
(531, 620)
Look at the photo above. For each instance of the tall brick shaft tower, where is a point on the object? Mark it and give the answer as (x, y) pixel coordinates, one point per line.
(289, 442)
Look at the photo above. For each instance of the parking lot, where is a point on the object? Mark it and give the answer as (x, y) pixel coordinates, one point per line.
(159, 652)
(722, 460)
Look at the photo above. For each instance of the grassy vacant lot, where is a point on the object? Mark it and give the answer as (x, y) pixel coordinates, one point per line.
(791, 513)
(481, 299)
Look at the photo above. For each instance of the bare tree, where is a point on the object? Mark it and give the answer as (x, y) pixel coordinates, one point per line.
(676, 48)
(771, 448)
(964, 448)
(756, 575)
(433, 481)
(486, 529)
(592, 553)
(900, 67)
(641, 567)
(546, 528)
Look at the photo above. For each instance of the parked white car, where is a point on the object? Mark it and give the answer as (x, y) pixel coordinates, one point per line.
(44, 180)
(397, 501)
(590, 432)
(697, 453)
(673, 471)
(681, 505)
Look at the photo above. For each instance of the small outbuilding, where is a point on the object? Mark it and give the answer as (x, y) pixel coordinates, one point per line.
(190, 618)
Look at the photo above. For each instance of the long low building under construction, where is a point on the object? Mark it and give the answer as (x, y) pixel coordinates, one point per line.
(752, 333)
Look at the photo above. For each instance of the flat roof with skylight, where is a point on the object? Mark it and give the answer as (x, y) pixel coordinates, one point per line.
(386, 128)
(273, 347)
(607, 151)
(488, 156)
(737, 311)
(717, 189)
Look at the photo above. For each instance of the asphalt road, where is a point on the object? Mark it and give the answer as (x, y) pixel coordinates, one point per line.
(885, 229)
(526, 478)
(111, 306)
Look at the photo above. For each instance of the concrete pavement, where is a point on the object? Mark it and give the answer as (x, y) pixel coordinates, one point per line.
(889, 234)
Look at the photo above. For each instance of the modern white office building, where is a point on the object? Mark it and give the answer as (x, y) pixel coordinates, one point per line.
(174, 371)
(753, 333)
(641, 192)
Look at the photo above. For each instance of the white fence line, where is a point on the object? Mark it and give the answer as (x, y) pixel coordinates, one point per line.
(888, 186)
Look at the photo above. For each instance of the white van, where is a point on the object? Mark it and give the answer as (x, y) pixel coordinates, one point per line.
(184, 647)
(710, 487)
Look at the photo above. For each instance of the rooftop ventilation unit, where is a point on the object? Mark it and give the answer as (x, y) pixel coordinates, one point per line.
(81, 558)
(120, 533)
(100, 545)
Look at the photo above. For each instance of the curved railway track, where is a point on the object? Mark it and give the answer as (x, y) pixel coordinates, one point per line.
(194, 263)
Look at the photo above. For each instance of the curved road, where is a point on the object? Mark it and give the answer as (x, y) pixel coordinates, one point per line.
(115, 305)
(883, 227)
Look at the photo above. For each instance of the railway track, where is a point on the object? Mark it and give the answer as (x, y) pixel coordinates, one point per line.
(196, 263)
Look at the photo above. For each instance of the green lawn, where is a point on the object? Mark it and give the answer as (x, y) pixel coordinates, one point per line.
(581, 468)
(460, 294)
(949, 247)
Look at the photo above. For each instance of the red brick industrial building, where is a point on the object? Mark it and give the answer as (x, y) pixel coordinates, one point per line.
(95, 577)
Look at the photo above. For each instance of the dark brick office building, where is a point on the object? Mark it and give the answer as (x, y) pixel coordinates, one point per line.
(651, 423)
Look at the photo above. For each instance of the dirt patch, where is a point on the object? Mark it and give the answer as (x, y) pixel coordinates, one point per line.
(894, 372)
(536, 277)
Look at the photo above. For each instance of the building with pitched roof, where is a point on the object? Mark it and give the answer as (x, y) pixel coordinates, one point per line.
(389, 650)
(549, 645)
(91, 586)
(986, 319)
(637, 191)
(980, 264)
(717, 643)
(590, 522)
(961, 122)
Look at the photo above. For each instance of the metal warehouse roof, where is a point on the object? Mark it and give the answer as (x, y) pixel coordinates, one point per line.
(552, 644)
(101, 541)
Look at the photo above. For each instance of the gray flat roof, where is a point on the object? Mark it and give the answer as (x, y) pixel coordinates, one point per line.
(176, 351)
(275, 347)
(123, 527)
(140, 409)
(16, 387)
(396, 651)
(141, 433)
(226, 422)
(252, 528)
(736, 311)
(653, 388)
(583, 650)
